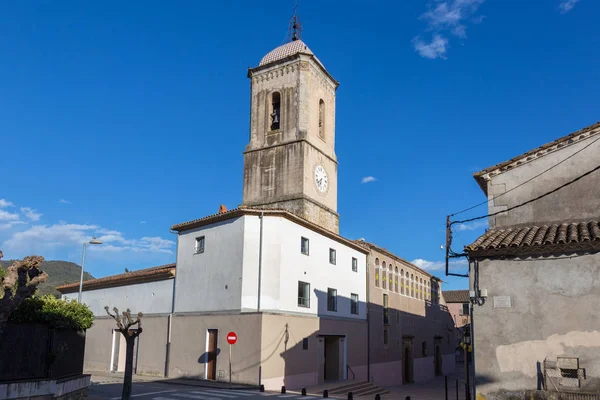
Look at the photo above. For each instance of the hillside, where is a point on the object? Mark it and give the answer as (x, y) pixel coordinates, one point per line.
(59, 273)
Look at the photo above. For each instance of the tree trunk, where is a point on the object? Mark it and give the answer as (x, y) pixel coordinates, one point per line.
(130, 341)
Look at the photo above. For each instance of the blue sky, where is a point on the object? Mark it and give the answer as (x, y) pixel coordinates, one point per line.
(120, 119)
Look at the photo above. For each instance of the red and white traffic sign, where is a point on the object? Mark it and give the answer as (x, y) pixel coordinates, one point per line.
(231, 338)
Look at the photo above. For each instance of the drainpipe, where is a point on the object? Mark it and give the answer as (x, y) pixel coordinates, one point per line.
(170, 317)
(260, 246)
(368, 321)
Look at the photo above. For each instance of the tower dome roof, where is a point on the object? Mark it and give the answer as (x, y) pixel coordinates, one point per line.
(286, 50)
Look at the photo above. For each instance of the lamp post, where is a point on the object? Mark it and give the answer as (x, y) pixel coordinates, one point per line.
(93, 241)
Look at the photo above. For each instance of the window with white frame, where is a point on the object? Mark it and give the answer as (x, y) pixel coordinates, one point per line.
(303, 294)
(199, 245)
(353, 303)
(354, 264)
(332, 256)
(304, 244)
(331, 299)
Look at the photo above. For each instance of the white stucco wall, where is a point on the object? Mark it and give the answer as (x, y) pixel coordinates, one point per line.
(284, 265)
(149, 298)
(212, 280)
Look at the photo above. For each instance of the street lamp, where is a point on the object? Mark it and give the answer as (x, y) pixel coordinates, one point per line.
(93, 241)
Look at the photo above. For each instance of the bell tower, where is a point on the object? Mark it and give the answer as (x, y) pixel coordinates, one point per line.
(290, 162)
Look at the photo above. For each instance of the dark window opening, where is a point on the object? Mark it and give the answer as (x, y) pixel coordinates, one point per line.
(332, 256)
(303, 294)
(331, 300)
(305, 344)
(276, 110)
(354, 303)
(304, 244)
(354, 265)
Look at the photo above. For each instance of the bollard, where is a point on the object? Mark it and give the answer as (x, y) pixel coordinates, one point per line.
(325, 393)
(377, 397)
(283, 390)
(303, 391)
(262, 388)
(350, 396)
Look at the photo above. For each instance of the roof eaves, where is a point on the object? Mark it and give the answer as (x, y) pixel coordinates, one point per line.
(395, 257)
(483, 176)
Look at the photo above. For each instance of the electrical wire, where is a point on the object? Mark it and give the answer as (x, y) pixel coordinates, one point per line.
(532, 200)
(527, 181)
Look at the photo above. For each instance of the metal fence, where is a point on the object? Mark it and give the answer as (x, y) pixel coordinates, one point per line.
(34, 351)
(572, 378)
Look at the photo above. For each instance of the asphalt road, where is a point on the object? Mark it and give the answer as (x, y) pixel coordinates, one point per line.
(166, 391)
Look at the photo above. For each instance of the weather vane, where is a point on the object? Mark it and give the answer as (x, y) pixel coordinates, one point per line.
(294, 28)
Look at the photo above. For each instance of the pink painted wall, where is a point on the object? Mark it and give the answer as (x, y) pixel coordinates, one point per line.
(455, 310)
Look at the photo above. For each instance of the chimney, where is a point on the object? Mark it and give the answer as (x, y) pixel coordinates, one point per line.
(222, 209)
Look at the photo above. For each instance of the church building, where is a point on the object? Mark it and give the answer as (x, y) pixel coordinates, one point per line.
(274, 270)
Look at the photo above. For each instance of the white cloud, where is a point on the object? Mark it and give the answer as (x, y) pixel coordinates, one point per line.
(471, 226)
(368, 179)
(30, 213)
(567, 5)
(7, 216)
(5, 203)
(63, 235)
(63, 201)
(437, 265)
(8, 225)
(435, 49)
(446, 17)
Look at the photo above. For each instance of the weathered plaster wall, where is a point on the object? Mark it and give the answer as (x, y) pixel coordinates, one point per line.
(579, 200)
(211, 280)
(149, 298)
(554, 312)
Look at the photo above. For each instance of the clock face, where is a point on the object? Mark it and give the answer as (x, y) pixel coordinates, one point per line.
(321, 178)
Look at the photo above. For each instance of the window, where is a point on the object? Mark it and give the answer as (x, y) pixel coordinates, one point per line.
(424, 349)
(303, 294)
(331, 299)
(385, 336)
(402, 281)
(412, 285)
(465, 309)
(386, 313)
(199, 245)
(305, 343)
(321, 119)
(275, 111)
(376, 272)
(304, 244)
(391, 278)
(396, 281)
(332, 256)
(354, 265)
(384, 279)
(353, 303)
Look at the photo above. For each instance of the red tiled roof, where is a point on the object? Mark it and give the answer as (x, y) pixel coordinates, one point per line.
(244, 210)
(456, 296)
(547, 238)
(159, 273)
(484, 175)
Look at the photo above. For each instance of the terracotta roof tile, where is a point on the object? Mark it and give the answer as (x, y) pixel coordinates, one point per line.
(456, 296)
(160, 272)
(560, 236)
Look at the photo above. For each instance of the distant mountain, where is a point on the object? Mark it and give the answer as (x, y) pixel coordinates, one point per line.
(59, 273)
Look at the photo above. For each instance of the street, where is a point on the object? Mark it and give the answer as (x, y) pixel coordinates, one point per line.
(166, 391)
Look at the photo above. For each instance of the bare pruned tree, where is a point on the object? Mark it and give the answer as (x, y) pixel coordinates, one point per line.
(124, 325)
(19, 283)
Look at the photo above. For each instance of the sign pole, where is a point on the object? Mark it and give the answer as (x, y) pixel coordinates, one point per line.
(230, 366)
(231, 339)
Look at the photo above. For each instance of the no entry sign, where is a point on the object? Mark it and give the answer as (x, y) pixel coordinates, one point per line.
(231, 338)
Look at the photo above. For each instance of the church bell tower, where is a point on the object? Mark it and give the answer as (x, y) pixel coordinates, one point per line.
(290, 161)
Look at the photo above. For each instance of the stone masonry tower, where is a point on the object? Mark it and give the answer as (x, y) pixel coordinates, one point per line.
(290, 162)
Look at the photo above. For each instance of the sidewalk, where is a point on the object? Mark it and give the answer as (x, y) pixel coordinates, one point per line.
(104, 377)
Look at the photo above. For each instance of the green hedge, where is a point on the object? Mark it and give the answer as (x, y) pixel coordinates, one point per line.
(57, 313)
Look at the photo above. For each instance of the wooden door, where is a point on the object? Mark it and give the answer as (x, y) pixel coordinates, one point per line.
(211, 370)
